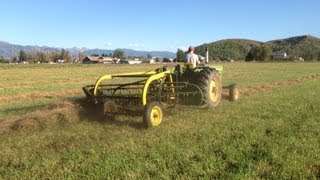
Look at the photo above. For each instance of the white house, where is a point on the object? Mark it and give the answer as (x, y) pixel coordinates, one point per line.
(279, 55)
(106, 60)
(129, 61)
(148, 60)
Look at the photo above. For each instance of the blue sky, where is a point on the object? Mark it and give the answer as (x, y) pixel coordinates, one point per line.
(153, 24)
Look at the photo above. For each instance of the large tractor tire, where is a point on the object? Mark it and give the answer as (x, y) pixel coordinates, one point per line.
(210, 83)
(153, 114)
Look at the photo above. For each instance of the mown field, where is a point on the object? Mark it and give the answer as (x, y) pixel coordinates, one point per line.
(272, 132)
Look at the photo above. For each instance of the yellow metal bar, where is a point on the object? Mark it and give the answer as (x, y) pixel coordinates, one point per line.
(172, 86)
(150, 79)
(153, 75)
(106, 77)
(136, 73)
(102, 78)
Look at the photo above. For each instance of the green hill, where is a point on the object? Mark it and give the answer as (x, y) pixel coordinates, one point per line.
(228, 49)
(307, 47)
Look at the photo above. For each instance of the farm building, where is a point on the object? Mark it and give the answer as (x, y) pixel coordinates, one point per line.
(91, 60)
(279, 55)
(129, 61)
(97, 59)
(148, 60)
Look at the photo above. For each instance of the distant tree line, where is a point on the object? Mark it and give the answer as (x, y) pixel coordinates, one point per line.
(4, 60)
(237, 51)
(41, 57)
(65, 56)
(122, 55)
(226, 50)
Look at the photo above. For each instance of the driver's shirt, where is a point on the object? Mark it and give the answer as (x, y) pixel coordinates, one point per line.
(192, 58)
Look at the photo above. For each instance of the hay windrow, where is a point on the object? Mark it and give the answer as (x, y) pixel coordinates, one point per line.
(269, 86)
(66, 112)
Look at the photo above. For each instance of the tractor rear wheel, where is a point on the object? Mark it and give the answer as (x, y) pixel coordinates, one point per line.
(210, 83)
(234, 92)
(153, 114)
(109, 108)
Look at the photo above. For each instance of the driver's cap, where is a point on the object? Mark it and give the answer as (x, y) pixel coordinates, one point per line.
(191, 49)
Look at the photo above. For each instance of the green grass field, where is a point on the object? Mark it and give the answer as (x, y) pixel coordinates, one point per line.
(272, 132)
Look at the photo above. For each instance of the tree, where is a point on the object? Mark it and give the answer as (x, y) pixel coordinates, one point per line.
(68, 57)
(259, 53)
(307, 55)
(65, 55)
(180, 55)
(166, 59)
(3, 60)
(55, 56)
(253, 54)
(81, 56)
(265, 53)
(22, 56)
(48, 57)
(149, 56)
(14, 59)
(42, 57)
(118, 54)
(62, 54)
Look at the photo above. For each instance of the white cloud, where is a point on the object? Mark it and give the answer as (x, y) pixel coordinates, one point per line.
(109, 44)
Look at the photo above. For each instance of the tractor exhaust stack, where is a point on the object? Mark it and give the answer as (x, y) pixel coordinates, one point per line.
(207, 56)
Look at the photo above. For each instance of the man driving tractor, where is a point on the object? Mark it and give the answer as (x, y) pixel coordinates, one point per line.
(191, 57)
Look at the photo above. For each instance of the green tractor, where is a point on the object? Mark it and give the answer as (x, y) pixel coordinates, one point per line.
(148, 93)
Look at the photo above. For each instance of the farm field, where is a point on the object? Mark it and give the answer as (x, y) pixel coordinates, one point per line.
(271, 132)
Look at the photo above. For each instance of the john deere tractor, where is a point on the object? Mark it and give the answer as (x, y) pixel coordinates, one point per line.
(148, 93)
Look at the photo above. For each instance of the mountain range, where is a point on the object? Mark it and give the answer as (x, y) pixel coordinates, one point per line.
(305, 46)
(9, 50)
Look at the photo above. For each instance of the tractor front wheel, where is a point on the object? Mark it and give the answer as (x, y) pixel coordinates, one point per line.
(234, 92)
(153, 114)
